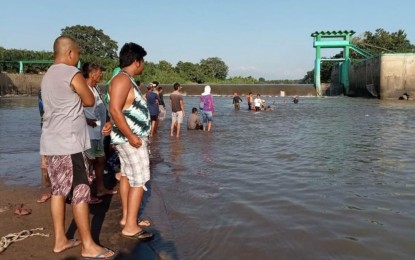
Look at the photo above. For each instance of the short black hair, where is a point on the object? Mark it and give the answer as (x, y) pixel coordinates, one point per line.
(156, 83)
(88, 67)
(176, 86)
(194, 110)
(131, 52)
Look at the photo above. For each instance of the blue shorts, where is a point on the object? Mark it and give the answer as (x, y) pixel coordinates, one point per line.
(207, 116)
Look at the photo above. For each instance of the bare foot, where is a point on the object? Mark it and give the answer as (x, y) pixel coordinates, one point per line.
(98, 253)
(71, 243)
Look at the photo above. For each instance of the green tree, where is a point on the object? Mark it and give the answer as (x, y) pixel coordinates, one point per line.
(190, 72)
(92, 41)
(165, 66)
(383, 42)
(214, 68)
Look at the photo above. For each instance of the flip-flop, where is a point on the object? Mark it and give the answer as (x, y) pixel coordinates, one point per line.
(45, 197)
(141, 235)
(102, 255)
(74, 243)
(22, 211)
(109, 192)
(94, 201)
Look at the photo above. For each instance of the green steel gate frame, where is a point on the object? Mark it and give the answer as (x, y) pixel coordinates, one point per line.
(335, 39)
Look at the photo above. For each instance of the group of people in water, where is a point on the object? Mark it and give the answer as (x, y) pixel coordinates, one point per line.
(86, 133)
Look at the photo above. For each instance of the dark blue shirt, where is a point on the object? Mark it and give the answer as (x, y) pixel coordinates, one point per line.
(153, 103)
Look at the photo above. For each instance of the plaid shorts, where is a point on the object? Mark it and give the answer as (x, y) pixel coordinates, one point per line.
(135, 163)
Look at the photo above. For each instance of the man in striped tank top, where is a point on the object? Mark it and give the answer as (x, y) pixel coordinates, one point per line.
(130, 133)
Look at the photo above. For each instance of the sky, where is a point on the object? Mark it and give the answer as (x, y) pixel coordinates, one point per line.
(258, 38)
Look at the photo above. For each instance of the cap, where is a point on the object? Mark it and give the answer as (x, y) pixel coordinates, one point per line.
(150, 85)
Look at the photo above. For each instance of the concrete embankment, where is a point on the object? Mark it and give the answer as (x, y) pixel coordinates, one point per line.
(29, 84)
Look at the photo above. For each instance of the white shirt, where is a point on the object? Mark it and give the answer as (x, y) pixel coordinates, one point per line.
(97, 112)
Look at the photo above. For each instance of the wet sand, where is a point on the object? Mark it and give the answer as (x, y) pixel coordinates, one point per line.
(104, 224)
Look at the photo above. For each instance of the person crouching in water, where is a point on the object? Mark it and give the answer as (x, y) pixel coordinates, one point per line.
(194, 122)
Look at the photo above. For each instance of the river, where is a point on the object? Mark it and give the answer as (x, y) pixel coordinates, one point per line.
(327, 178)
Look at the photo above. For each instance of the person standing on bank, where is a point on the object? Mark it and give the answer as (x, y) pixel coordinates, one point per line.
(208, 108)
(130, 133)
(99, 125)
(63, 141)
(177, 109)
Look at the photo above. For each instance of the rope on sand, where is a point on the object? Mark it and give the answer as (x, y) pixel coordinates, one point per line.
(14, 237)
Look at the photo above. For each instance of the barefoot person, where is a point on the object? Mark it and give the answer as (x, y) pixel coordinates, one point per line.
(64, 139)
(130, 133)
(177, 109)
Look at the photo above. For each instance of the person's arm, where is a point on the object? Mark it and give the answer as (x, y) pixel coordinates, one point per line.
(182, 105)
(119, 89)
(79, 85)
(213, 105)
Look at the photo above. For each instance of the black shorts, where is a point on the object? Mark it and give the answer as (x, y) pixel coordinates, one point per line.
(154, 118)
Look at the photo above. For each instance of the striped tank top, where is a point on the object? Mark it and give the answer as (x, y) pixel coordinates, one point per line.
(137, 117)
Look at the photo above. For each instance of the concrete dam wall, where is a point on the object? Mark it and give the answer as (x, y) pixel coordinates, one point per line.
(387, 76)
(29, 84)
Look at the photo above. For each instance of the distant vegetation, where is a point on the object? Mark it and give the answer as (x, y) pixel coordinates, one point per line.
(100, 48)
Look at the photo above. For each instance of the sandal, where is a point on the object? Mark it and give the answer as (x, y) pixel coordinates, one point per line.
(95, 200)
(45, 197)
(20, 211)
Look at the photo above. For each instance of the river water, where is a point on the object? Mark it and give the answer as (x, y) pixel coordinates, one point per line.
(327, 178)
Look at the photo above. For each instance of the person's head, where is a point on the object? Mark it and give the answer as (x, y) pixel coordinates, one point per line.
(156, 84)
(176, 86)
(66, 50)
(250, 93)
(150, 87)
(207, 89)
(235, 94)
(258, 95)
(92, 71)
(132, 54)
(138, 83)
(194, 110)
(160, 89)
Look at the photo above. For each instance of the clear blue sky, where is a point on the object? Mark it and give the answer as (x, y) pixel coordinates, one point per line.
(261, 38)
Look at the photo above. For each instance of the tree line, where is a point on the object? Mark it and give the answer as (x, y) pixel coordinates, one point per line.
(98, 47)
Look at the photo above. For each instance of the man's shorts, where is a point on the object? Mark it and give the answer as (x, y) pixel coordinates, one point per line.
(154, 118)
(68, 176)
(135, 163)
(177, 117)
(207, 116)
(96, 150)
